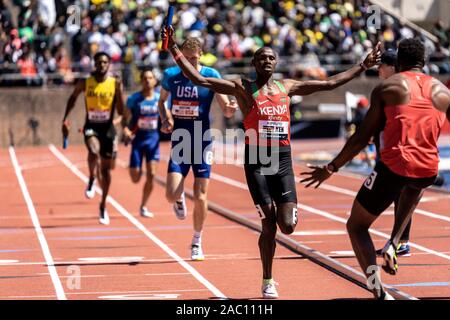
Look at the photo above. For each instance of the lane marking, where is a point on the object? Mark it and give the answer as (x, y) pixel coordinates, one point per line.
(140, 226)
(8, 261)
(112, 259)
(424, 284)
(105, 293)
(141, 296)
(343, 253)
(37, 227)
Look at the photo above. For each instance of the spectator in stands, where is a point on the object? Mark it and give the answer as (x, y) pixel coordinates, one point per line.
(230, 29)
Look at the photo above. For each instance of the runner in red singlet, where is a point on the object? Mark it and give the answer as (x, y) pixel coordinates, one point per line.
(264, 103)
(412, 107)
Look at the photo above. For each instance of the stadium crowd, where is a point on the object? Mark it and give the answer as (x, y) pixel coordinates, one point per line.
(53, 36)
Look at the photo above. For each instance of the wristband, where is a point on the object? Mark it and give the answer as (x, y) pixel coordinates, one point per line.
(331, 168)
(178, 56)
(362, 65)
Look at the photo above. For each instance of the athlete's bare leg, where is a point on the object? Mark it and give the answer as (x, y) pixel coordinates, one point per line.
(135, 174)
(266, 242)
(358, 229)
(106, 166)
(93, 146)
(200, 202)
(148, 186)
(287, 217)
(174, 187)
(407, 202)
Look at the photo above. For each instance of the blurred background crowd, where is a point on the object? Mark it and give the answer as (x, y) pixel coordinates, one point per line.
(55, 40)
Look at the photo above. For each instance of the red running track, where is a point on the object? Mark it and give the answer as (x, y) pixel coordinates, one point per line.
(137, 258)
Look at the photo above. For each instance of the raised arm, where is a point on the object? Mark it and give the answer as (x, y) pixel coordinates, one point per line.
(354, 145)
(440, 96)
(217, 85)
(303, 88)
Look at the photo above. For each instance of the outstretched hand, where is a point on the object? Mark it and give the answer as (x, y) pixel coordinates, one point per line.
(318, 175)
(374, 57)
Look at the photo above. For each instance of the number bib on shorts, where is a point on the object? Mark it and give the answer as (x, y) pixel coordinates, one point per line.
(147, 123)
(278, 130)
(185, 109)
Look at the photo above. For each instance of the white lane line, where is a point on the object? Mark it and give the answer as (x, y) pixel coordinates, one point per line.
(140, 226)
(102, 293)
(8, 261)
(37, 227)
(331, 216)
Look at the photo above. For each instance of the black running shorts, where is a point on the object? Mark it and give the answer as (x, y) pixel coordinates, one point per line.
(383, 186)
(270, 180)
(107, 137)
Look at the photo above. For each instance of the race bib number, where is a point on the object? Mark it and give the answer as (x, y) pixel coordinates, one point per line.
(98, 116)
(187, 109)
(274, 129)
(147, 123)
(370, 180)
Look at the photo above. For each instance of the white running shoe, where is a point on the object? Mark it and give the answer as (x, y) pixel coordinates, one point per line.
(387, 296)
(197, 253)
(90, 191)
(179, 207)
(103, 217)
(145, 213)
(269, 291)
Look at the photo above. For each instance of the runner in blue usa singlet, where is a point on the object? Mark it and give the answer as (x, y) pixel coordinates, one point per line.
(142, 117)
(190, 106)
(187, 119)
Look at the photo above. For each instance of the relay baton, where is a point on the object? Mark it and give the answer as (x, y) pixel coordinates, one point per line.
(168, 24)
(65, 142)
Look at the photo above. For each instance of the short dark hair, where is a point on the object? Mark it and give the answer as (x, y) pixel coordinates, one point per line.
(411, 53)
(389, 58)
(146, 69)
(101, 53)
(257, 52)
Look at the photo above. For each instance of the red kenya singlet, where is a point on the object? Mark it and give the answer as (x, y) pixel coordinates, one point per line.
(269, 120)
(409, 142)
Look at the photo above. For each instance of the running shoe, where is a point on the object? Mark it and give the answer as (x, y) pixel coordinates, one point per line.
(269, 290)
(385, 296)
(389, 254)
(403, 251)
(179, 207)
(90, 191)
(103, 216)
(145, 213)
(197, 253)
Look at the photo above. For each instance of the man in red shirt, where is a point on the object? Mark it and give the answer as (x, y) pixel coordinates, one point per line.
(413, 108)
